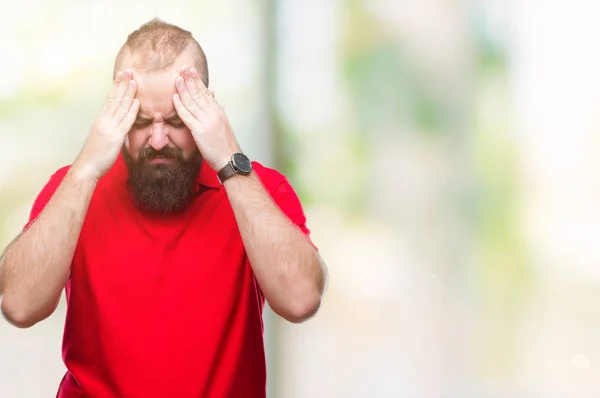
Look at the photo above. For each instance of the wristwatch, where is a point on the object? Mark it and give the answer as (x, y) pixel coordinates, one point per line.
(239, 164)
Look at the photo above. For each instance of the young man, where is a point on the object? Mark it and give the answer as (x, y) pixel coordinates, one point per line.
(167, 239)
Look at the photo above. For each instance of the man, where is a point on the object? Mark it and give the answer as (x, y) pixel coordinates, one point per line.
(166, 238)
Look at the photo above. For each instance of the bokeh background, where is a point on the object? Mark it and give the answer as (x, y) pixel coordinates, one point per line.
(446, 151)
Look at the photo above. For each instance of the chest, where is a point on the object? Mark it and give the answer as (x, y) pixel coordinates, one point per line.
(128, 256)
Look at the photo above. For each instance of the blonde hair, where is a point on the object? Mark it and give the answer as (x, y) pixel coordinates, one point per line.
(159, 43)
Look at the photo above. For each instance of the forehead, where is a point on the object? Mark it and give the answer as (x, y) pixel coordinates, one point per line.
(155, 91)
(156, 87)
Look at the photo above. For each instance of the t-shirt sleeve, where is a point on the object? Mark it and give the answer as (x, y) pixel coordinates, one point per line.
(288, 201)
(45, 194)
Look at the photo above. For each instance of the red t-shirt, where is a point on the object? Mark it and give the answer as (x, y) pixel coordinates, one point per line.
(164, 306)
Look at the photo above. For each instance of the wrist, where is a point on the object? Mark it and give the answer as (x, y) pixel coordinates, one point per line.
(238, 164)
(84, 172)
(222, 162)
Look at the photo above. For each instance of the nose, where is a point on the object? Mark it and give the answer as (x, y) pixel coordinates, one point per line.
(158, 137)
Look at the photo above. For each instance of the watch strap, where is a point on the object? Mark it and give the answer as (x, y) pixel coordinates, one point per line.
(226, 172)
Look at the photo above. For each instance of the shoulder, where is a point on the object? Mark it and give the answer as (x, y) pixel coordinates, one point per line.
(61, 172)
(283, 194)
(52, 183)
(47, 192)
(270, 177)
(265, 172)
(56, 178)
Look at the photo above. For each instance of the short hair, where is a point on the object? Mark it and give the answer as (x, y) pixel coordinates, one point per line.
(160, 43)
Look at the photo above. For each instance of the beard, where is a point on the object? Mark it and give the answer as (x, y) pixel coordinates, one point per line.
(162, 187)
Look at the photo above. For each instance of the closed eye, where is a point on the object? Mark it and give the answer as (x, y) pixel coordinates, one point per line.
(141, 124)
(177, 123)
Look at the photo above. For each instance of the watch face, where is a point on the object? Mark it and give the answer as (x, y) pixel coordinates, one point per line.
(242, 163)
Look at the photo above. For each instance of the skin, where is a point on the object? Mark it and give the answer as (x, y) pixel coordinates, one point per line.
(289, 271)
(35, 267)
(169, 107)
(157, 124)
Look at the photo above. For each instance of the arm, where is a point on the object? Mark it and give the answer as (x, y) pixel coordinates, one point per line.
(35, 266)
(287, 267)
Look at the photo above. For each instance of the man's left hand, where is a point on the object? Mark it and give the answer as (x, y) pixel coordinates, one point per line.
(206, 119)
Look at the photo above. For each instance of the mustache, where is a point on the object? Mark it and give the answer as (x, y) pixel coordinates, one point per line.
(166, 152)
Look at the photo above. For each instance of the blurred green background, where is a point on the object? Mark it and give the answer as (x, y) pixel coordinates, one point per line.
(446, 153)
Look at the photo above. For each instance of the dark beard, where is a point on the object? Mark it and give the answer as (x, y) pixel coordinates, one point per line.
(164, 187)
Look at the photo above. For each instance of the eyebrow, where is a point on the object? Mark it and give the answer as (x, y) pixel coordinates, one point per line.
(172, 118)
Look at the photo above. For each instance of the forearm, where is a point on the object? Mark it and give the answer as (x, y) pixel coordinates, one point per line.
(287, 267)
(36, 266)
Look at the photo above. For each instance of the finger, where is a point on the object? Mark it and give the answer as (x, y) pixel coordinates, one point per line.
(187, 100)
(129, 118)
(116, 83)
(185, 115)
(127, 99)
(118, 92)
(120, 80)
(204, 98)
(197, 88)
(212, 102)
(194, 83)
(197, 85)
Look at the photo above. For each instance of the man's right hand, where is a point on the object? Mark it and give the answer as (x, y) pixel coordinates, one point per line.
(108, 132)
(35, 267)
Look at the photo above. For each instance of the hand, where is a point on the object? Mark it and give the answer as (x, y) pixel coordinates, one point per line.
(205, 118)
(108, 132)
